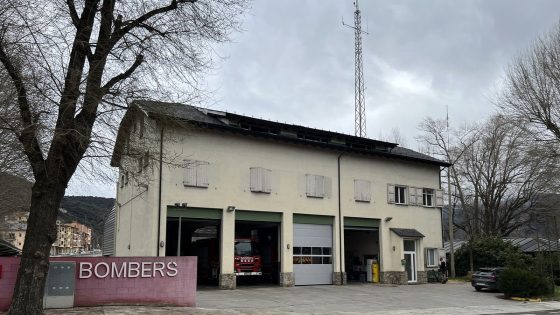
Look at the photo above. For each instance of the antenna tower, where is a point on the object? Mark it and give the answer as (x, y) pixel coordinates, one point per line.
(359, 89)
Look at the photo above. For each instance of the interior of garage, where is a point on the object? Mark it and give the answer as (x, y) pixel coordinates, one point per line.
(361, 245)
(257, 246)
(196, 237)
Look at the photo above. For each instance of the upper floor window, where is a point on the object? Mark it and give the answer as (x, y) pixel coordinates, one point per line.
(196, 173)
(397, 194)
(315, 186)
(428, 197)
(362, 190)
(260, 180)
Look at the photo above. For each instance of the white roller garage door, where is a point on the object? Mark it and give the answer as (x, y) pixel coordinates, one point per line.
(313, 254)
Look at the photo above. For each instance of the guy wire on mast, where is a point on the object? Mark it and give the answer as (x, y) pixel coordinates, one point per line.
(359, 89)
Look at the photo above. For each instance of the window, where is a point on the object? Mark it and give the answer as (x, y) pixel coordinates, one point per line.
(362, 190)
(312, 255)
(196, 173)
(428, 197)
(260, 180)
(431, 257)
(315, 186)
(400, 195)
(409, 245)
(397, 194)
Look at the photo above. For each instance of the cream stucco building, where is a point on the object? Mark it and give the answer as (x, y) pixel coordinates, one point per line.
(316, 205)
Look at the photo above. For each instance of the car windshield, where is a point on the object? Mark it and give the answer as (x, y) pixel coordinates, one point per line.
(243, 248)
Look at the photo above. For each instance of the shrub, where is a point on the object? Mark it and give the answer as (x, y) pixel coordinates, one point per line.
(524, 283)
(490, 252)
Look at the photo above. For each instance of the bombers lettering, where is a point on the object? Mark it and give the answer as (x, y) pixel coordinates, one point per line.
(127, 269)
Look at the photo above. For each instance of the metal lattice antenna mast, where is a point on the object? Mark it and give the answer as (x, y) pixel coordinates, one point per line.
(359, 89)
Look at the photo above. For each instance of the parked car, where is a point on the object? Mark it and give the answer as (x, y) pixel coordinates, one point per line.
(486, 278)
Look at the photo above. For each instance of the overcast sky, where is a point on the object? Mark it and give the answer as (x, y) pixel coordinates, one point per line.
(294, 62)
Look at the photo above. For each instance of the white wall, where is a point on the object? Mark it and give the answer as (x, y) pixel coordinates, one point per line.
(230, 157)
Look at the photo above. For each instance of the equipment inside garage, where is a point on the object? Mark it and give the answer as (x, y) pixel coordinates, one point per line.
(361, 249)
(257, 245)
(196, 237)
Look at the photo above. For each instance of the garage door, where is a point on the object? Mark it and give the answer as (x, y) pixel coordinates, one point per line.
(313, 254)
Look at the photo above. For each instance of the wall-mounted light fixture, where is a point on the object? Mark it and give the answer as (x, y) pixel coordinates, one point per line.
(162, 244)
(177, 204)
(230, 208)
(387, 219)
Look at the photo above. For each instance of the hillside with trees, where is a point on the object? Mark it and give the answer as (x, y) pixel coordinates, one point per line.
(87, 210)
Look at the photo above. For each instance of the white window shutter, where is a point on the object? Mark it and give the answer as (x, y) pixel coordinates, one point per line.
(390, 193)
(320, 186)
(189, 176)
(309, 185)
(315, 186)
(362, 190)
(412, 195)
(267, 185)
(202, 174)
(254, 184)
(439, 198)
(419, 200)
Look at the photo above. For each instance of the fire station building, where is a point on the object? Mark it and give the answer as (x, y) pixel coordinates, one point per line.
(257, 200)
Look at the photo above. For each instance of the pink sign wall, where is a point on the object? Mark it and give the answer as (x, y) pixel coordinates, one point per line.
(119, 280)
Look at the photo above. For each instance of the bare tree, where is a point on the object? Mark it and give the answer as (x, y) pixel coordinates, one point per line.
(532, 89)
(74, 65)
(497, 174)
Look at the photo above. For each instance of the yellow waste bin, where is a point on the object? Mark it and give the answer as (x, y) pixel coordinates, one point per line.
(375, 272)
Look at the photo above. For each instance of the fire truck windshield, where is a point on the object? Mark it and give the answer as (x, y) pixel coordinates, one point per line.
(243, 248)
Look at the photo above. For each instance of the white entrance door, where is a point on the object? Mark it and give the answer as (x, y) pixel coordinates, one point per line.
(410, 258)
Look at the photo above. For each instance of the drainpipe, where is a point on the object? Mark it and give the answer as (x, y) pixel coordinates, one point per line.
(159, 197)
(340, 226)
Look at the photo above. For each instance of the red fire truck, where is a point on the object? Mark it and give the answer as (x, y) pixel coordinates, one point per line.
(247, 260)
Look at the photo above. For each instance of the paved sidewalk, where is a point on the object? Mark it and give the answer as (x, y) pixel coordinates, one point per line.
(453, 298)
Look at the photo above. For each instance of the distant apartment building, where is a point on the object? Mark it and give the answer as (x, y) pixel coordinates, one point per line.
(13, 228)
(72, 238)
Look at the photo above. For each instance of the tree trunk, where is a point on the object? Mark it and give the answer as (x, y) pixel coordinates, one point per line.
(41, 233)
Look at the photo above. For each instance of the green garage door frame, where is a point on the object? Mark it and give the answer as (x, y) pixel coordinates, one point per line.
(194, 213)
(352, 222)
(260, 216)
(313, 219)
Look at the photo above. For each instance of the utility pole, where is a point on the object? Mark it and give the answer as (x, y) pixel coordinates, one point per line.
(359, 89)
(450, 208)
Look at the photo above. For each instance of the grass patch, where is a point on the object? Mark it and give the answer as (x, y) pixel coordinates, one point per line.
(461, 279)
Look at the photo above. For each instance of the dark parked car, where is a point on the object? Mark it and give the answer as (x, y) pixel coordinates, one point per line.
(486, 278)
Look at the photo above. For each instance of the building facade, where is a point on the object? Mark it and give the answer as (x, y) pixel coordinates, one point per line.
(311, 206)
(72, 238)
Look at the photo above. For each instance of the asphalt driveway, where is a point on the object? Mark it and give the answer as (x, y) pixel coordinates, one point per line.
(361, 298)
(450, 298)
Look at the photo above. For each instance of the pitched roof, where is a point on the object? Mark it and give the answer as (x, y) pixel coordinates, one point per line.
(413, 233)
(525, 244)
(7, 249)
(256, 127)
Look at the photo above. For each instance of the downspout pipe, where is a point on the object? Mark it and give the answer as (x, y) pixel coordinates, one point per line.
(160, 188)
(340, 225)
